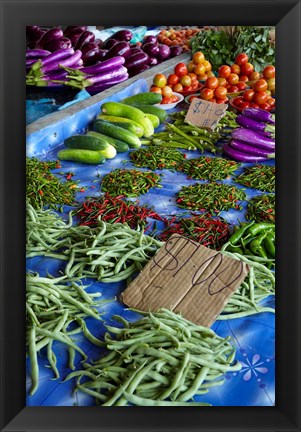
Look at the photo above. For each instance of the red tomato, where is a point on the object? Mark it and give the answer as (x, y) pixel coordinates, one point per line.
(246, 69)
(212, 100)
(194, 85)
(253, 105)
(241, 85)
(181, 69)
(260, 98)
(187, 89)
(174, 98)
(193, 76)
(244, 105)
(232, 89)
(156, 90)
(185, 80)
(166, 100)
(233, 79)
(211, 83)
(206, 93)
(265, 106)
(177, 88)
(172, 79)
(254, 76)
(269, 72)
(222, 100)
(222, 81)
(224, 71)
(190, 99)
(241, 59)
(220, 92)
(202, 77)
(238, 101)
(248, 95)
(260, 86)
(235, 68)
(190, 66)
(271, 101)
(243, 78)
(208, 66)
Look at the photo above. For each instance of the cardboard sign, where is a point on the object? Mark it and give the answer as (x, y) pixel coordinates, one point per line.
(205, 114)
(187, 278)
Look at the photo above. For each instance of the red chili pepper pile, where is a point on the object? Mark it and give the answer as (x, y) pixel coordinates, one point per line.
(204, 229)
(113, 210)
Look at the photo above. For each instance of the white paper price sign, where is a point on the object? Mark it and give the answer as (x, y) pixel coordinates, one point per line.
(205, 114)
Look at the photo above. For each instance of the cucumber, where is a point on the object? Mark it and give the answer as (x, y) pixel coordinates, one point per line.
(150, 109)
(85, 142)
(139, 129)
(117, 132)
(130, 112)
(148, 98)
(154, 119)
(119, 145)
(84, 156)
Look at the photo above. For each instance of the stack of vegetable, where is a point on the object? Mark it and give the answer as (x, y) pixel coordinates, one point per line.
(254, 140)
(160, 360)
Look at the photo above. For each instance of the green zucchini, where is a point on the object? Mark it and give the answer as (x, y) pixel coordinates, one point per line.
(120, 146)
(79, 155)
(148, 98)
(117, 132)
(154, 119)
(114, 119)
(150, 109)
(134, 113)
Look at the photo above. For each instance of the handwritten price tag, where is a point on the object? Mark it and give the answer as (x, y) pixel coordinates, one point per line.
(187, 278)
(205, 114)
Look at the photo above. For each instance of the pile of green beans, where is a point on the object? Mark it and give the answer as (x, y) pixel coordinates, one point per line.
(261, 208)
(261, 177)
(52, 304)
(155, 157)
(160, 360)
(107, 252)
(208, 168)
(257, 286)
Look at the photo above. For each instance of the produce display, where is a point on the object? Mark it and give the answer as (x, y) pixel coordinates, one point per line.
(105, 195)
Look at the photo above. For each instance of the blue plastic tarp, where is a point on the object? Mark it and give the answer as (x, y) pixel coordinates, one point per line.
(253, 336)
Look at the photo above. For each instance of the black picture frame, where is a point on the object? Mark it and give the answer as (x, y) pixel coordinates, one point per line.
(15, 15)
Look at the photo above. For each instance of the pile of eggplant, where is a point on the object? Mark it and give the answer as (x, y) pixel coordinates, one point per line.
(50, 52)
(254, 140)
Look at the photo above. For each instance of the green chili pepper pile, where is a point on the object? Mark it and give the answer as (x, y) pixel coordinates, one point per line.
(261, 177)
(211, 197)
(129, 183)
(204, 229)
(160, 360)
(261, 208)
(208, 168)
(44, 188)
(155, 157)
(52, 304)
(256, 239)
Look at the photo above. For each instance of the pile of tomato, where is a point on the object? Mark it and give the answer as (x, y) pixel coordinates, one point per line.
(173, 37)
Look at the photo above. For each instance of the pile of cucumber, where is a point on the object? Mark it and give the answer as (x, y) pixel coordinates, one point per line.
(119, 127)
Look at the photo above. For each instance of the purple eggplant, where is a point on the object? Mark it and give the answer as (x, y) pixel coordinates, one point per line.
(30, 62)
(151, 49)
(36, 53)
(57, 56)
(104, 66)
(102, 87)
(57, 75)
(109, 43)
(138, 69)
(248, 148)
(84, 38)
(122, 35)
(90, 57)
(241, 156)
(74, 38)
(101, 54)
(54, 33)
(119, 49)
(32, 41)
(32, 29)
(57, 44)
(135, 50)
(249, 123)
(152, 61)
(66, 62)
(259, 114)
(88, 47)
(136, 60)
(104, 78)
(164, 52)
(254, 138)
(175, 50)
(150, 39)
(70, 30)
(99, 42)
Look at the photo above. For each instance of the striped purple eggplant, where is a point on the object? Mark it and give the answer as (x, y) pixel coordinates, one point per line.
(259, 115)
(258, 126)
(251, 137)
